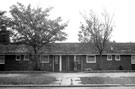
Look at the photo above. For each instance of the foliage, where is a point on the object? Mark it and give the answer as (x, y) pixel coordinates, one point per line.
(33, 27)
(96, 31)
(5, 24)
(4, 21)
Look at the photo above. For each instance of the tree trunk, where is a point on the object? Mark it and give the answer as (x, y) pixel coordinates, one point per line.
(101, 61)
(36, 60)
(37, 64)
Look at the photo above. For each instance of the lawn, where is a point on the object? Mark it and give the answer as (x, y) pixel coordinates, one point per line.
(108, 80)
(27, 79)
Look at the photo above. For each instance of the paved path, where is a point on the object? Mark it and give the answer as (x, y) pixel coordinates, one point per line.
(67, 81)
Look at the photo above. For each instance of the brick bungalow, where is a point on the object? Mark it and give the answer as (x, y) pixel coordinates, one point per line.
(68, 57)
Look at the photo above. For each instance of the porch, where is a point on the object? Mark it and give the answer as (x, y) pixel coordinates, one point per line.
(67, 63)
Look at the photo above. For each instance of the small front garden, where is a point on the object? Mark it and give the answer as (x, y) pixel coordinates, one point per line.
(27, 79)
(108, 80)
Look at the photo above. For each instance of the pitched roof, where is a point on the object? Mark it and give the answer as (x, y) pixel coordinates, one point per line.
(68, 48)
(71, 48)
(9, 49)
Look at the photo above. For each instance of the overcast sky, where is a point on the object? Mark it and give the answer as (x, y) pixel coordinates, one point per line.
(123, 10)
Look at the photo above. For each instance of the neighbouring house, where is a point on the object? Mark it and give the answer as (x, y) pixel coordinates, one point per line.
(68, 57)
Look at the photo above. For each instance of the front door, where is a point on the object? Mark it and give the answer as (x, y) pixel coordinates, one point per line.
(71, 63)
(67, 63)
(64, 63)
(78, 63)
(56, 63)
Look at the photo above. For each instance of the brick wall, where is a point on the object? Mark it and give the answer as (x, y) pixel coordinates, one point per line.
(125, 62)
(12, 64)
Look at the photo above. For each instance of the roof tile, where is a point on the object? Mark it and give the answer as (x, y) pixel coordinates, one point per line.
(71, 48)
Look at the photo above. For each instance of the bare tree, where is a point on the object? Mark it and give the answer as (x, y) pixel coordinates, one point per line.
(34, 28)
(96, 31)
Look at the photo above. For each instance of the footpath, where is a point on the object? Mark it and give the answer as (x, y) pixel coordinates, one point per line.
(67, 81)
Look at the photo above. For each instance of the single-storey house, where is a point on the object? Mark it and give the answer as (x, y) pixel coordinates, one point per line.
(68, 57)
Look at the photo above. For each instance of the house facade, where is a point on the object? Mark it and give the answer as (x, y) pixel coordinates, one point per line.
(68, 57)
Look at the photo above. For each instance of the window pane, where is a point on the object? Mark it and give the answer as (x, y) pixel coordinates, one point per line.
(91, 59)
(109, 57)
(26, 57)
(44, 59)
(117, 57)
(133, 59)
(18, 57)
(2, 59)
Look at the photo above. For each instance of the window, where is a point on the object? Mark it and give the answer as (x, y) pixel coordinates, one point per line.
(117, 57)
(44, 59)
(18, 57)
(91, 59)
(133, 59)
(109, 57)
(26, 57)
(2, 59)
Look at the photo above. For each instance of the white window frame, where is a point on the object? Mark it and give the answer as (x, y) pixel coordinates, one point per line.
(87, 61)
(25, 58)
(116, 58)
(44, 61)
(2, 62)
(18, 59)
(108, 59)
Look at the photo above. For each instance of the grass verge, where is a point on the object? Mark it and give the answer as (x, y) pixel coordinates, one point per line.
(29, 79)
(108, 80)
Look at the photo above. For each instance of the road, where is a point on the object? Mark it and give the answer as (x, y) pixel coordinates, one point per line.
(67, 88)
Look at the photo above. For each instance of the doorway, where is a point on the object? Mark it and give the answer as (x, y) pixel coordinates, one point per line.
(67, 63)
(56, 63)
(78, 63)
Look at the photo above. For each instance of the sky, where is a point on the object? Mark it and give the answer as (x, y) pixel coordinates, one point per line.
(69, 10)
